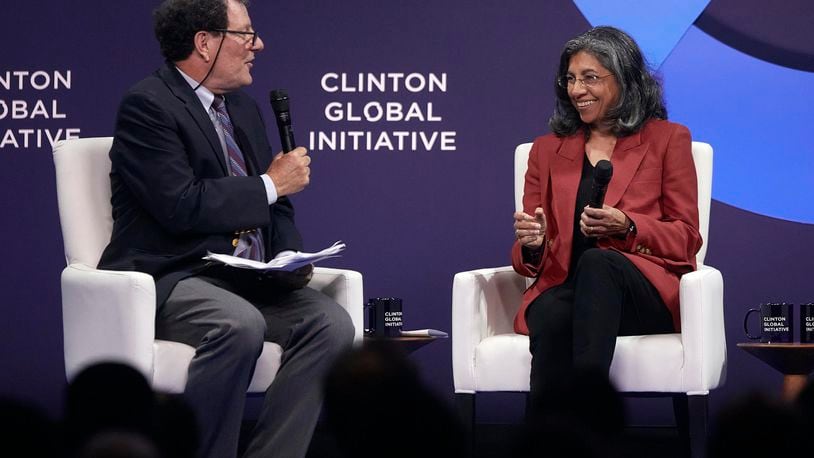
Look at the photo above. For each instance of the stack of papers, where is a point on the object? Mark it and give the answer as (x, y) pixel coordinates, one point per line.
(289, 262)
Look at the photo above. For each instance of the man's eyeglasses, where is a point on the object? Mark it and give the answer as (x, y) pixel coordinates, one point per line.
(252, 39)
(589, 81)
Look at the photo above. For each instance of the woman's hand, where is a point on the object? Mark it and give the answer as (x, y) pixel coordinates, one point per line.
(603, 222)
(530, 230)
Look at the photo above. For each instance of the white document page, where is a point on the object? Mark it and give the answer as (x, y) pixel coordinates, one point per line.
(288, 262)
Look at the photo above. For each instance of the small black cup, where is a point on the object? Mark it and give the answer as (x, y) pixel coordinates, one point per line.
(776, 323)
(807, 323)
(384, 316)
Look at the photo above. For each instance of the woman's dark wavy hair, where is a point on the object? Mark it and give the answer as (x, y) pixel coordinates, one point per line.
(640, 93)
(177, 22)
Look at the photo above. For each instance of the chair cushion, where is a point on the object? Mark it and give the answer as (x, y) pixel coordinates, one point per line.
(267, 366)
(649, 363)
(640, 363)
(172, 363)
(503, 363)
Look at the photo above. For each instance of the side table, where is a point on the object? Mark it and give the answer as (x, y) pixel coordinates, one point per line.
(794, 360)
(407, 343)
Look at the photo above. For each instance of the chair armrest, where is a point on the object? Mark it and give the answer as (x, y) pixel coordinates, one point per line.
(702, 328)
(483, 304)
(107, 316)
(345, 287)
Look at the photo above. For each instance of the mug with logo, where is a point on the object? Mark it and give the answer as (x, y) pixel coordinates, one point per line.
(807, 323)
(384, 316)
(776, 323)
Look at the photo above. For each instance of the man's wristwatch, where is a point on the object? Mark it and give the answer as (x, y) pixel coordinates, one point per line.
(632, 228)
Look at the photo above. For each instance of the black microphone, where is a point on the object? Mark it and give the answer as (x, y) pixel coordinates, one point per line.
(279, 103)
(602, 176)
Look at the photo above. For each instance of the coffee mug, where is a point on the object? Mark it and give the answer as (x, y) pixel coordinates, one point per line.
(776, 323)
(384, 316)
(807, 323)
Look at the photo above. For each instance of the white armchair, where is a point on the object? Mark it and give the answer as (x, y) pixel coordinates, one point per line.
(110, 315)
(487, 355)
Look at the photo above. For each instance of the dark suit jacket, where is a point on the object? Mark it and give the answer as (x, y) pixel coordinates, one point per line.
(653, 182)
(173, 199)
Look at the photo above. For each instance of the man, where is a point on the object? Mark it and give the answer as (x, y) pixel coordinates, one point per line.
(193, 172)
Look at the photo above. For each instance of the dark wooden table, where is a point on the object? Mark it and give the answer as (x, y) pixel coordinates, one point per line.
(407, 343)
(794, 360)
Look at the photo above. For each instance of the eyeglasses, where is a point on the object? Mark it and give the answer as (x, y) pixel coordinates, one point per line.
(251, 40)
(589, 81)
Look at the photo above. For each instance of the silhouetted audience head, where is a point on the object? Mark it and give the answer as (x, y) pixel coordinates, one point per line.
(26, 431)
(107, 397)
(757, 426)
(111, 412)
(376, 405)
(580, 414)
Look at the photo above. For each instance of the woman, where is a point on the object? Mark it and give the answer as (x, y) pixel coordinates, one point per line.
(610, 271)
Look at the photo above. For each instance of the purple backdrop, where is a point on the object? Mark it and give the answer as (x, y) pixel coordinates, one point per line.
(411, 219)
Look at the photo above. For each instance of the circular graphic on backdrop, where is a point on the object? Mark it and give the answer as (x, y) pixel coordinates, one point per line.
(747, 110)
(777, 32)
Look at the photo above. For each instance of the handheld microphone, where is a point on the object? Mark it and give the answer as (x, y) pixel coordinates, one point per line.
(602, 176)
(279, 103)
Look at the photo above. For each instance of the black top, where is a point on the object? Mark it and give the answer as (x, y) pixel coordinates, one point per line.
(580, 242)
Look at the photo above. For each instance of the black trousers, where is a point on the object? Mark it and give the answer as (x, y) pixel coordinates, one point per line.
(575, 325)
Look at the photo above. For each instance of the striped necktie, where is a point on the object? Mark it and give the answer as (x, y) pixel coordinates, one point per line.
(249, 244)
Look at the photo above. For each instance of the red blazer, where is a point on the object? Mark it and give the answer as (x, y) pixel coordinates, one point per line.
(653, 183)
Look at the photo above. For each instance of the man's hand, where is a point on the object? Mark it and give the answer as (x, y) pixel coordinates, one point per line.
(290, 172)
(296, 279)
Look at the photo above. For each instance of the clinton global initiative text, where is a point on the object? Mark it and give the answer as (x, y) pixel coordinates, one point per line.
(398, 140)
